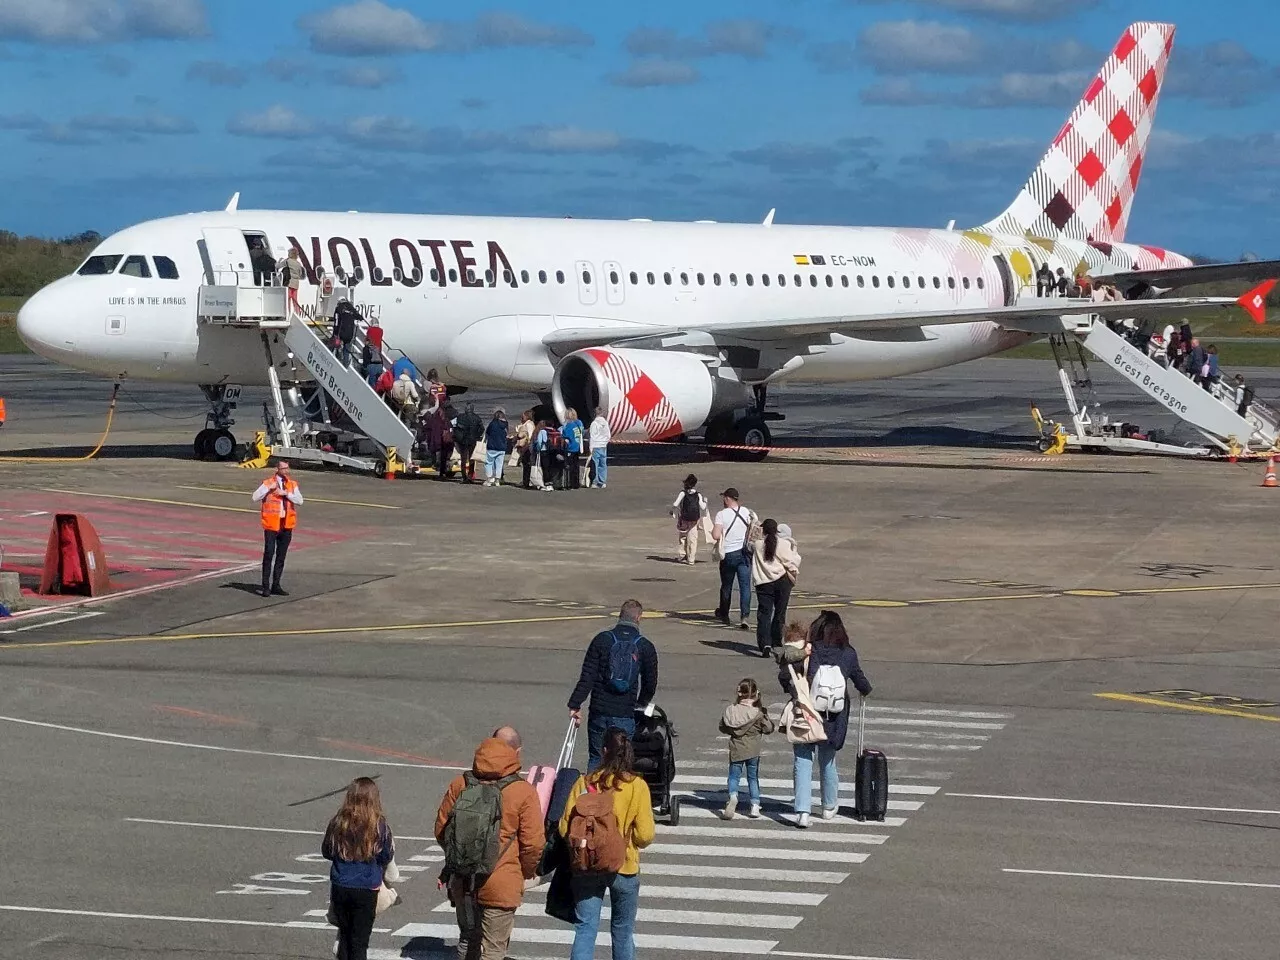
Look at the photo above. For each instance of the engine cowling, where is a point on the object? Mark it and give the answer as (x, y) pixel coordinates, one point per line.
(645, 394)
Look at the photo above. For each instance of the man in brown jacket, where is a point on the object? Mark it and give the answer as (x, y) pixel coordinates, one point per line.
(485, 931)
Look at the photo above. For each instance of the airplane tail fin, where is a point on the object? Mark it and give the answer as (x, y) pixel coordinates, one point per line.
(1083, 188)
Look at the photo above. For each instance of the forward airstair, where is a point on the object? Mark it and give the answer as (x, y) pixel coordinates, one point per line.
(1214, 413)
(319, 409)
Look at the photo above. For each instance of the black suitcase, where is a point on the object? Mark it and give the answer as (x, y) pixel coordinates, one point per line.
(871, 779)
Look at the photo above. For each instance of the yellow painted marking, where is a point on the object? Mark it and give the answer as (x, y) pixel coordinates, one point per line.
(312, 632)
(880, 603)
(1203, 588)
(1010, 596)
(1091, 593)
(171, 503)
(1193, 707)
(309, 499)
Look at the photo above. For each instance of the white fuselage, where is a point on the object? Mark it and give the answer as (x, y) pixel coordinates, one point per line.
(486, 328)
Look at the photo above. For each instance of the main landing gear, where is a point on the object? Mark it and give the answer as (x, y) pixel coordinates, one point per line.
(216, 441)
(743, 434)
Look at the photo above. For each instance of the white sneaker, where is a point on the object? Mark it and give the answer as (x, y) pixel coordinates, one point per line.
(729, 810)
(754, 812)
(829, 813)
(802, 821)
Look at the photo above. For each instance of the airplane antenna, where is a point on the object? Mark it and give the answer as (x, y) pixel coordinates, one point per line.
(234, 203)
(951, 224)
(768, 217)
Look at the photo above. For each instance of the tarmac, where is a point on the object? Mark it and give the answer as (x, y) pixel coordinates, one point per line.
(1075, 666)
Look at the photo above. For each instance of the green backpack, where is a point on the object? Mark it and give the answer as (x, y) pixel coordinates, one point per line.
(470, 836)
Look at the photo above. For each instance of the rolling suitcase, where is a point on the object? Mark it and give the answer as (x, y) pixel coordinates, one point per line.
(542, 777)
(871, 780)
(559, 784)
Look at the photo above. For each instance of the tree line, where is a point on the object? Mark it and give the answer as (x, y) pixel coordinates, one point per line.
(28, 263)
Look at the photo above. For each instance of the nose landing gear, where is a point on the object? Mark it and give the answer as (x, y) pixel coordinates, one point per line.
(216, 441)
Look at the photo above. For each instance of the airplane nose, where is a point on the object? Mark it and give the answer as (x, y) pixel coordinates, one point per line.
(41, 328)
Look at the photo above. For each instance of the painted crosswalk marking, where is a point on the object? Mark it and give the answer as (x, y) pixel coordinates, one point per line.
(704, 918)
(771, 832)
(771, 815)
(723, 852)
(564, 935)
(902, 789)
(718, 872)
(655, 891)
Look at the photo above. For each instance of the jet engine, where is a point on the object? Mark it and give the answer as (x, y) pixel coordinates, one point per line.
(645, 394)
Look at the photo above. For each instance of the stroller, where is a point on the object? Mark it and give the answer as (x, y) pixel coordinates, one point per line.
(654, 746)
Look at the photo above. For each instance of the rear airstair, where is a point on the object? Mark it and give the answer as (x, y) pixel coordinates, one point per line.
(319, 410)
(1213, 413)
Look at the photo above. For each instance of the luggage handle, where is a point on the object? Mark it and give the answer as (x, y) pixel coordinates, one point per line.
(862, 723)
(566, 748)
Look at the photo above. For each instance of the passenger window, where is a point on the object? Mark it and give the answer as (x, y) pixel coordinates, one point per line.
(799, 282)
(471, 275)
(920, 282)
(889, 280)
(715, 278)
(488, 277)
(844, 280)
(951, 283)
(453, 275)
(875, 281)
(733, 279)
(613, 277)
(764, 279)
(650, 278)
(635, 278)
(750, 280)
(417, 275)
(99, 265)
(435, 275)
(906, 281)
(166, 269)
(782, 280)
(979, 283)
(830, 282)
(507, 277)
(701, 280)
(937, 284)
(559, 276)
(396, 274)
(666, 278)
(813, 280)
(684, 279)
(586, 277)
(135, 266)
(860, 283)
(524, 276)
(965, 282)
(542, 276)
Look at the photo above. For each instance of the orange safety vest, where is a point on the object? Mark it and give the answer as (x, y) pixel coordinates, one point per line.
(271, 519)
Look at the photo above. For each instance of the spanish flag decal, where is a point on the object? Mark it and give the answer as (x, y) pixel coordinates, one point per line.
(802, 260)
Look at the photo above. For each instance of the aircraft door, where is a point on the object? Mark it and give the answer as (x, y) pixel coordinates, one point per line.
(1007, 281)
(228, 256)
(587, 294)
(615, 290)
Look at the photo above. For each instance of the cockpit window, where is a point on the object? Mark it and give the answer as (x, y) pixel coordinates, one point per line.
(136, 266)
(99, 264)
(166, 269)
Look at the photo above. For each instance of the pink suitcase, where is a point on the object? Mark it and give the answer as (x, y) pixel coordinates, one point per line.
(543, 777)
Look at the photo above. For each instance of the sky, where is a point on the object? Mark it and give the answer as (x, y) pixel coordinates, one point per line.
(868, 112)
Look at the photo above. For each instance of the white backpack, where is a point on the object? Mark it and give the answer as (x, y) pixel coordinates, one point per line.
(828, 690)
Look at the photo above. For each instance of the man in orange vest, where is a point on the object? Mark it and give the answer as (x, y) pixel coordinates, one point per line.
(280, 499)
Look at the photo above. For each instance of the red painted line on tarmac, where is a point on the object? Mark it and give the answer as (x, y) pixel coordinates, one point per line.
(204, 715)
(382, 752)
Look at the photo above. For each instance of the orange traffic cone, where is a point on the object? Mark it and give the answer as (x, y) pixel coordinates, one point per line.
(1269, 479)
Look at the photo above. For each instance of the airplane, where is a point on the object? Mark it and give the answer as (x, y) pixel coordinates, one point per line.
(667, 327)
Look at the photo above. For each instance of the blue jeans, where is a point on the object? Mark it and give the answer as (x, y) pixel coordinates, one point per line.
(735, 564)
(588, 898)
(493, 464)
(752, 768)
(600, 459)
(373, 372)
(803, 774)
(596, 727)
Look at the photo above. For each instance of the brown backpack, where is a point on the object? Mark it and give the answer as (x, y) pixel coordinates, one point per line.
(596, 845)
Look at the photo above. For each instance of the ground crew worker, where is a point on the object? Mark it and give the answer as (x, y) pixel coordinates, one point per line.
(280, 499)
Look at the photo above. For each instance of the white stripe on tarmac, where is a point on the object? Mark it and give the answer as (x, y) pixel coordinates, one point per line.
(771, 832)
(167, 918)
(928, 735)
(696, 918)
(913, 789)
(1122, 876)
(717, 872)
(952, 724)
(780, 769)
(449, 931)
(655, 891)
(966, 714)
(786, 756)
(715, 798)
(237, 826)
(1113, 803)
(751, 853)
(689, 809)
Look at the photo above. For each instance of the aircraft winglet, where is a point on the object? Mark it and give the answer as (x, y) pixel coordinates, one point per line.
(1254, 301)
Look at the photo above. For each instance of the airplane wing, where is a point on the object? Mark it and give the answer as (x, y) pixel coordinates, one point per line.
(1037, 315)
(1174, 277)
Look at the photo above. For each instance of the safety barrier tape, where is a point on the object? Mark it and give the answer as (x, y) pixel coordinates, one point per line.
(748, 447)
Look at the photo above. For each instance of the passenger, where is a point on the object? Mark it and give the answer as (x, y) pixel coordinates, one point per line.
(573, 430)
(405, 395)
(486, 895)
(631, 815)
(469, 431)
(360, 845)
(747, 722)
(1197, 361)
(383, 386)
(730, 529)
(540, 454)
(1062, 283)
(290, 269)
(601, 436)
(1044, 281)
(620, 675)
(775, 565)
(830, 667)
(344, 330)
(1244, 396)
(264, 264)
(1098, 292)
(1173, 350)
(688, 509)
(440, 428)
(280, 497)
(495, 448)
(523, 452)
(437, 392)
(1212, 375)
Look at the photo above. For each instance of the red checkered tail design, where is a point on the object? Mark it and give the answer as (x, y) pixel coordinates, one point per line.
(1083, 188)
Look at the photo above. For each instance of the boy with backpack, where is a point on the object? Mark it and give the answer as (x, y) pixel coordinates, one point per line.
(688, 508)
(490, 828)
(619, 674)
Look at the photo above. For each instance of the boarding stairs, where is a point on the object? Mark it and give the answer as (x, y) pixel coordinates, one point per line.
(319, 410)
(1212, 413)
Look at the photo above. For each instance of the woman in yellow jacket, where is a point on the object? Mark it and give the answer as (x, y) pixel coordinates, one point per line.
(633, 808)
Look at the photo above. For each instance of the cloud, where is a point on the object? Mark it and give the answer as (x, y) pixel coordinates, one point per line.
(741, 38)
(1223, 73)
(364, 77)
(90, 129)
(114, 66)
(1023, 11)
(902, 92)
(101, 21)
(1031, 90)
(287, 69)
(656, 73)
(275, 123)
(371, 27)
(155, 124)
(217, 73)
(795, 158)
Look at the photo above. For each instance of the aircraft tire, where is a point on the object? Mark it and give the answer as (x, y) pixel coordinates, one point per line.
(222, 445)
(751, 431)
(201, 445)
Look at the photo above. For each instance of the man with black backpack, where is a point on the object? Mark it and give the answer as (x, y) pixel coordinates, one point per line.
(620, 674)
(490, 828)
(688, 508)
